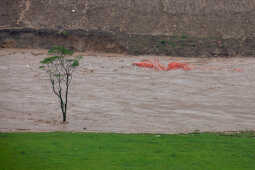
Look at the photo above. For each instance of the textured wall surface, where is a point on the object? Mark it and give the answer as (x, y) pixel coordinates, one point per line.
(217, 19)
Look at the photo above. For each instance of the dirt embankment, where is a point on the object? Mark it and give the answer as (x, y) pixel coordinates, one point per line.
(180, 28)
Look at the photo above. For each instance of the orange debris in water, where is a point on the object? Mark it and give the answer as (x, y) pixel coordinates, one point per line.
(175, 65)
(145, 63)
(238, 69)
(157, 66)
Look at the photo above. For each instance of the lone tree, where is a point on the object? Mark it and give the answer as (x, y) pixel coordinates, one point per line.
(60, 69)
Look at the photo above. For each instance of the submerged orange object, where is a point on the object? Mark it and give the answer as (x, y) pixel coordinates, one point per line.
(144, 64)
(238, 69)
(175, 65)
(157, 66)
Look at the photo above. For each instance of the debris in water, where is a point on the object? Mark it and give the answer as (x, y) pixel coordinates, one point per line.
(157, 66)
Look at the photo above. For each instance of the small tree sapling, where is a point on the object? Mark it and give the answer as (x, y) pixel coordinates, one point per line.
(59, 68)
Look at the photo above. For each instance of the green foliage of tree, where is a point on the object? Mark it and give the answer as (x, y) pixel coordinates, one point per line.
(59, 68)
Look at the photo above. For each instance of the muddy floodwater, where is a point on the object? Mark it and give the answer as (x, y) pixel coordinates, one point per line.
(109, 94)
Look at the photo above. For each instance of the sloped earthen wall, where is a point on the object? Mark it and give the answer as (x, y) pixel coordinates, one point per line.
(172, 27)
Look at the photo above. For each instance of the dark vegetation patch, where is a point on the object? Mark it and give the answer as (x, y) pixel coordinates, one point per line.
(134, 44)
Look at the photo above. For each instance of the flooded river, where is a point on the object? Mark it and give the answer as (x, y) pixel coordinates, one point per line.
(109, 94)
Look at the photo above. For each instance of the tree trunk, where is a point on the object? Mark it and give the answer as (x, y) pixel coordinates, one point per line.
(64, 116)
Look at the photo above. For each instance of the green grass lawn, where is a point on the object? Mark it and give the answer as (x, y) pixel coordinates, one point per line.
(91, 151)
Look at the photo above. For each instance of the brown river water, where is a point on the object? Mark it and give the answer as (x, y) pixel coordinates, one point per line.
(109, 94)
